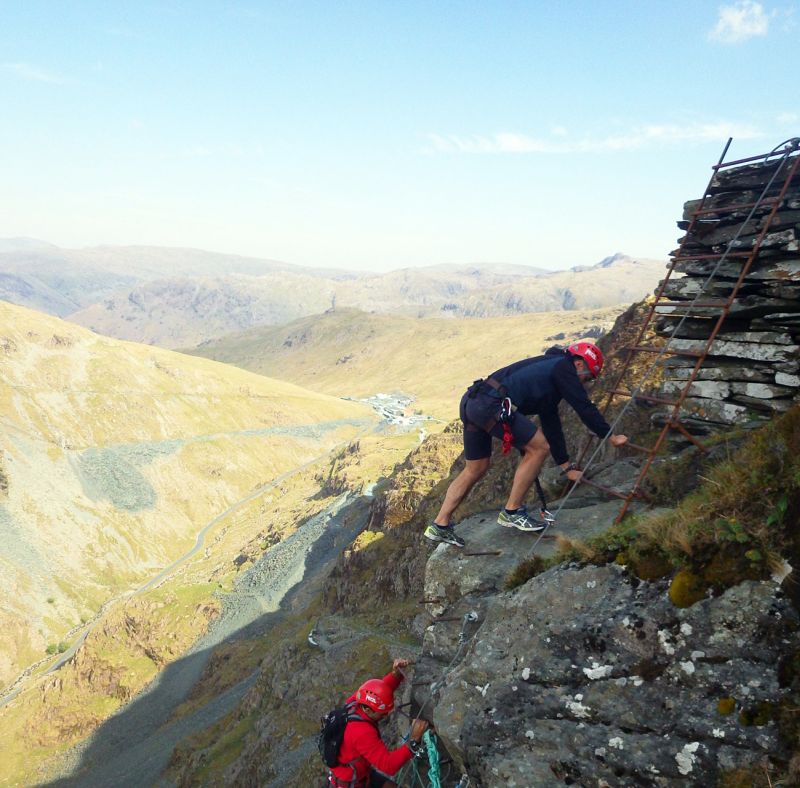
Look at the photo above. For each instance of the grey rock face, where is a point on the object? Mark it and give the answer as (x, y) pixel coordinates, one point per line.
(585, 677)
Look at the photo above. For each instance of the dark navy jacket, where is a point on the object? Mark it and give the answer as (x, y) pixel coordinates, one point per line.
(537, 385)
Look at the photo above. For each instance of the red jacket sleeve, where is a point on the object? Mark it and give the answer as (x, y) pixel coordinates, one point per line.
(367, 742)
(393, 681)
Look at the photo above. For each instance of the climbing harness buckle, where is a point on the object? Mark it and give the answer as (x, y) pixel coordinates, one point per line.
(505, 419)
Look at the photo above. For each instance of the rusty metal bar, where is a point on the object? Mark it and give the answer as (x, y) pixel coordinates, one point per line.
(719, 304)
(434, 601)
(676, 425)
(446, 619)
(635, 447)
(615, 493)
(485, 552)
(648, 349)
(679, 258)
(734, 207)
(648, 397)
(762, 157)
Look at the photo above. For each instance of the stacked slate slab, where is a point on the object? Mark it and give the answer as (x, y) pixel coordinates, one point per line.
(752, 371)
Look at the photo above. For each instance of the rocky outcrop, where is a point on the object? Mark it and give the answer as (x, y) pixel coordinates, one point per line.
(751, 372)
(588, 676)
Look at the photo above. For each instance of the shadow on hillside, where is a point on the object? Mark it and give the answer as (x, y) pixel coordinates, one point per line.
(134, 747)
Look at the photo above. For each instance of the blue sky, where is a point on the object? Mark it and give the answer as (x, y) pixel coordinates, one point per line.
(379, 135)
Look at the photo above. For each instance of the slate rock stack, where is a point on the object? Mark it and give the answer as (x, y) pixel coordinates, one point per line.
(752, 369)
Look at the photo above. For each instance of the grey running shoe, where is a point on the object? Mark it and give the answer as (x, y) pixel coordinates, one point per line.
(521, 520)
(438, 533)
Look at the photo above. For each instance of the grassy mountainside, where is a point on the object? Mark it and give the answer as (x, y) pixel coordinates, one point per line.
(359, 354)
(115, 456)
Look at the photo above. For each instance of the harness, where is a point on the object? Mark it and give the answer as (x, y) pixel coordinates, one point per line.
(503, 416)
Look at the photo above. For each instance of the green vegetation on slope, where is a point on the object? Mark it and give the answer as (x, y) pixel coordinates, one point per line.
(740, 523)
(348, 352)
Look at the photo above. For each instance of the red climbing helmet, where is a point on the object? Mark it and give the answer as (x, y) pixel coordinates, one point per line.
(377, 695)
(590, 354)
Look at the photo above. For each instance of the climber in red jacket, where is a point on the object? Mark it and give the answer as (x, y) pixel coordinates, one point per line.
(364, 760)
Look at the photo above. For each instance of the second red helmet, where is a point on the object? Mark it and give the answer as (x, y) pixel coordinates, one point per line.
(377, 695)
(590, 353)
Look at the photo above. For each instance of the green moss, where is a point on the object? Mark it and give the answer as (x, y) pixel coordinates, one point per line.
(744, 778)
(731, 565)
(649, 564)
(758, 715)
(524, 571)
(668, 480)
(726, 706)
(686, 589)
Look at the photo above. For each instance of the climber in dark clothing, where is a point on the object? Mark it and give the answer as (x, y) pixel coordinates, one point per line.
(532, 386)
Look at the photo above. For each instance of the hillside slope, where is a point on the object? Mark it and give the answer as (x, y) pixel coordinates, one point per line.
(359, 354)
(661, 653)
(115, 455)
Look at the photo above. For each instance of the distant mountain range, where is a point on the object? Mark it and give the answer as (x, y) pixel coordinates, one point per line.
(183, 297)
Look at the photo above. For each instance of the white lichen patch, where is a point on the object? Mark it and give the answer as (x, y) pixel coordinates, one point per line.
(526, 674)
(482, 690)
(664, 639)
(600, 752)
(686, 757)
(637, 681)
(576, 708)
(591, 584)
(718, 733)
(686, 629)
(698, 654)
(687, 667)
(529, 734)
(598, 671)
(616, 742)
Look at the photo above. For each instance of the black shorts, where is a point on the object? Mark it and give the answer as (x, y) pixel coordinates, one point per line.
(477, 413)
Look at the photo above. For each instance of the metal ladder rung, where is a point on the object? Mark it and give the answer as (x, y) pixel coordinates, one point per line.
(648, 349)
(710, 256)
(690, 304)
(762, 157)
(736, 206)
(637, 447)
(648, 397)
(615, 493)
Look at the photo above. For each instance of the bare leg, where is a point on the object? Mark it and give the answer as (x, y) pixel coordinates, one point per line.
(534, 454)
(474, 471)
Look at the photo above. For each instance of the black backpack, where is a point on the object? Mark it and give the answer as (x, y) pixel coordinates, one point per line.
(332, 732)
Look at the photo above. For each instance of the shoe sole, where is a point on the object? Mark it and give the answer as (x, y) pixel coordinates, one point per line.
(440, 540)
